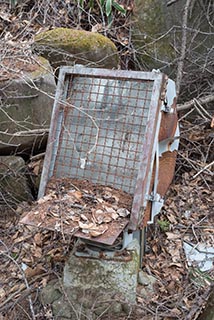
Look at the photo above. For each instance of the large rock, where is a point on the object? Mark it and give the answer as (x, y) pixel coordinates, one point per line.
(64, 46)
(149, 23)
(157, 34)
(14, 186)
(26, 100)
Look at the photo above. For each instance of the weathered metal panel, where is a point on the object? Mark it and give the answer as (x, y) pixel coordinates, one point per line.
(105, 128)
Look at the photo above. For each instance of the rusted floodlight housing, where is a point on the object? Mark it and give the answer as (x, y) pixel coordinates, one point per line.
(116, 128)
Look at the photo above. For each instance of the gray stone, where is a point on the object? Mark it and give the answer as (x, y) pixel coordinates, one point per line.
(26, 102)
(95, 287)
(51, 292)
(146, 285)
(13, 183)
(127, 308)
(145, 279)
(152, 19)
(62, 310)
(108, 276)
(117, 308)
(84, 304)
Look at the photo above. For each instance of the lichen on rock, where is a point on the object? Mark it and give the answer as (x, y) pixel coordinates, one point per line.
(64, 46)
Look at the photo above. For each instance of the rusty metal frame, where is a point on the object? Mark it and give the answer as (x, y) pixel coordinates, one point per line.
(140, 196)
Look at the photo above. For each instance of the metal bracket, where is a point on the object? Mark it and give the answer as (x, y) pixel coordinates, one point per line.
(166, 108)
(154, 197)
(157, 204)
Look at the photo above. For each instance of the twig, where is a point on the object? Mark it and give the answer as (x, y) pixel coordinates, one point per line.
(37, 156)
(204, 111)
(186, 114)
(31, 132)
(24, 311)
(203, 169)
(190, 104)
(169, 3)
(26, 293)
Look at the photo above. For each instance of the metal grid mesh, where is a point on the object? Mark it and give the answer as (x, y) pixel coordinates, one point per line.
(102, 130)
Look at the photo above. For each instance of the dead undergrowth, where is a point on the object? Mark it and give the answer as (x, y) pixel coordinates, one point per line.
(30, 257)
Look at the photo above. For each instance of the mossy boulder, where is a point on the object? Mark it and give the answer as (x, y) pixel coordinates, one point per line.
(64, 46)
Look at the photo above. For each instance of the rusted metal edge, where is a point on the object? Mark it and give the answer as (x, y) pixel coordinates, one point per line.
(148, 155)
(108, 73)
(48, 163)
(109, 237)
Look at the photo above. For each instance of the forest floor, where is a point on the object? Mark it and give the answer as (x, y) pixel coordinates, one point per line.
(31, 257)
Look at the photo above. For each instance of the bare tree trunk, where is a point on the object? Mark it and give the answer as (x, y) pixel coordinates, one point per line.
(183, 46)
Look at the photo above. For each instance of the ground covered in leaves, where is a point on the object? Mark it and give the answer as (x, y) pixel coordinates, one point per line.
(31, 257)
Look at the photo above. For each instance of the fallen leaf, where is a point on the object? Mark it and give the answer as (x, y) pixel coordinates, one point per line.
(107, 219)
(99, 216)
(23, 238)
(32, 272)
(38, 239)
(46, 198)
(172, 236)
(109, 209)
(83, 217)
(86, 226)
(75, 218)
(114, 216)
(123, 212)
(2, 293)
(77, 194)
(96, 233)
(37, 252)
(57, 226)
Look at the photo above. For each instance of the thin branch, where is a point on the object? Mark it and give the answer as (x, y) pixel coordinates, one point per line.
(169, 3)
(190, 104)
(203, 169)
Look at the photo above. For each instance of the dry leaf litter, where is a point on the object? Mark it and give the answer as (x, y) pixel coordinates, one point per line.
(71, 205)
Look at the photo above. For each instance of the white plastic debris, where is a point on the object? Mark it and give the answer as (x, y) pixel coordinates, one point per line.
(199, 256)
(24, 266)
(82, 163)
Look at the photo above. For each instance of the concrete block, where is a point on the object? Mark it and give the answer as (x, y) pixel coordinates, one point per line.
(107, 275)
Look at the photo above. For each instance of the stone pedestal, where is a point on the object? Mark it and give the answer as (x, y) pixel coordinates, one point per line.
(112, 272)
(96, 283)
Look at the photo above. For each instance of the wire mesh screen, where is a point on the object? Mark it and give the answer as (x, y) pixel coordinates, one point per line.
(103, 128)
(102, 131)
